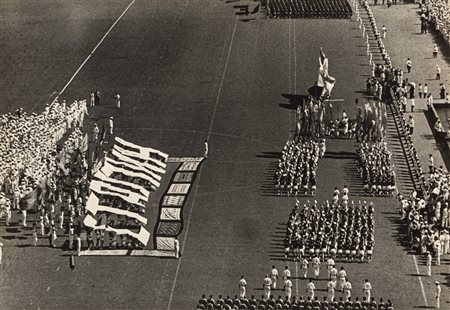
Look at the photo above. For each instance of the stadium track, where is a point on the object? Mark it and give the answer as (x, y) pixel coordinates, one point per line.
(167, 59)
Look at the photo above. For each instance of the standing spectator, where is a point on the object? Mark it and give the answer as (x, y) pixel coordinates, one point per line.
(409, 65)
(347, 290)
(24, 217)
(429, 261)
(110, 128)
(242, 287)
(274, 277)
(331, 287)
(35, 236)
(78, 244)
(176, 244)
(438, 294)
(310, 288)
(1, 254)
(437, 248)
(95, 132)
(442, 90)
(316, 266)
(384, 30)
(266, 286)
(305, 267)
(117, 99)
(288, 288)
(438, 72)
(431, 163)
(411, 125)
(429, 101)
(367, 289)
(425, 90)
(420, 90)
(286, 273)
(206, 149)
(97, 98)
(92, 101)
(435, 51)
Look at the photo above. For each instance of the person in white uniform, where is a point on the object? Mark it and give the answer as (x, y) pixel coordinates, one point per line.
(367, 289)
(267, 283)
(242, 287)
(274, 277)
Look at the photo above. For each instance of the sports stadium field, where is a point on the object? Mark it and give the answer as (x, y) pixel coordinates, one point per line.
(190, 70)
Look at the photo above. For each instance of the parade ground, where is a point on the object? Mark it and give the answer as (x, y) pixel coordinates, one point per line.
(189, 71)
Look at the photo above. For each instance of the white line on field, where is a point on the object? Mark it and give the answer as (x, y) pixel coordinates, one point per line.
(420, 281)
(200, 171)
(223, 78)
(93, 51)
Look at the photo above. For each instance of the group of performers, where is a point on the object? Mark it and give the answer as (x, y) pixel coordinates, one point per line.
(296, 171)
(308, 9)
(339, 230)
(375, 167)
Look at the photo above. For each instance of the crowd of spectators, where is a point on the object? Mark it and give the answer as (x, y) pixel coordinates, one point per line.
(296, 171)
(339, 229)
(437, 12)
(376, 168)
(28, 147)
(309, 9)
(428, 218)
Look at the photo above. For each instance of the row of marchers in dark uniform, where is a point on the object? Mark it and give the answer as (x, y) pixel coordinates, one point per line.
(309, 9)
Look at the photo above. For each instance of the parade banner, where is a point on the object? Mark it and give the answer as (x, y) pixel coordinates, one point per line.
(93, 206)
(138, 189)
(157, 171)
(143, 236)
(99, 186)
(132, 199)
(146, 153)
(108, 169)
(135, 166)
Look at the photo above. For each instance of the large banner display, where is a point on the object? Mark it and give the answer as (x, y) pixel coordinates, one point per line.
(120, 190)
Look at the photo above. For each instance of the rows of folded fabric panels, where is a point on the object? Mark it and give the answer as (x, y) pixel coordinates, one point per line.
(120, 190)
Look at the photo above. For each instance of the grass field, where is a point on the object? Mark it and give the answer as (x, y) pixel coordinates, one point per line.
(189, 71)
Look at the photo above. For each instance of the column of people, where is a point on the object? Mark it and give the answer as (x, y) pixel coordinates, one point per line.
(340, 230)
(296, 171)
(376, 168)
(338, 283)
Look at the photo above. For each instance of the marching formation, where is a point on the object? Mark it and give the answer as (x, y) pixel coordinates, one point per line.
(309, 9)
(339, 230)
(376, 169)
(338, 283)
(296, 171)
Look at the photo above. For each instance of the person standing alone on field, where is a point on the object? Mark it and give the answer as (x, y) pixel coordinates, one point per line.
(117, 99)
(242, 287)
(206, 149)
(409, 65)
